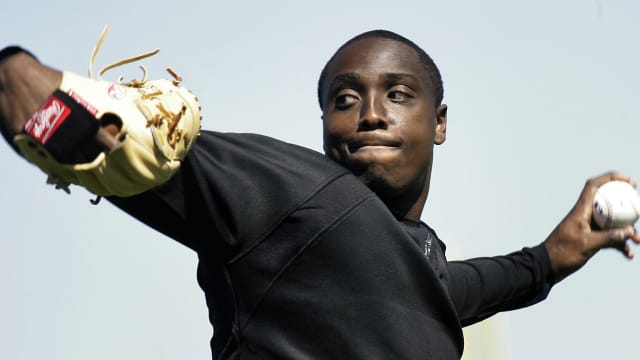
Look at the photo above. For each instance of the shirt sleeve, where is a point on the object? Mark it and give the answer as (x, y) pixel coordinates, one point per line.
(482, 287)
(231, 190)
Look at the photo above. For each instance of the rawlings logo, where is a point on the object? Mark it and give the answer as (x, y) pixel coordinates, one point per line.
(90, 108)
(44, 123)
(116, 92)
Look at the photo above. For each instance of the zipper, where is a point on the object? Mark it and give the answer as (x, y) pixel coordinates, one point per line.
(427, 250)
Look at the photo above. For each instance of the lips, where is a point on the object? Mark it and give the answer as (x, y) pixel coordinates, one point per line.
(372, 142)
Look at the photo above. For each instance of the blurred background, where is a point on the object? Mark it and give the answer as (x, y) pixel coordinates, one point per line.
(542, 95)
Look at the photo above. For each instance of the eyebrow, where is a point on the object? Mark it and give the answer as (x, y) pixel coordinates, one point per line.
(344, 80)
(391, 77)
(352, 79)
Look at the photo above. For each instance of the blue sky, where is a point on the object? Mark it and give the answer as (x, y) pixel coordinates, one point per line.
(542, 95)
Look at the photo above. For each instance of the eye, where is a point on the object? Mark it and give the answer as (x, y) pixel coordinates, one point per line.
(345, 101)
(399, 96)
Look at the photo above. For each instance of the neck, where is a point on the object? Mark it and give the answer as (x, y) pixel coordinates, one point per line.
(410, 204)
(406, 210)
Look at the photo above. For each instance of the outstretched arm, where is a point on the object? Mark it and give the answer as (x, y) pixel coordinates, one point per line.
(25, 84)
(117, 139)
(576, 239)
(482, 287)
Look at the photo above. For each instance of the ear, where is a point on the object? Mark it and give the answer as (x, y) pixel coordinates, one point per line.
(441, 125)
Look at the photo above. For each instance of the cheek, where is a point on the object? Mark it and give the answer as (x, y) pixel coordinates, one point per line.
(421, 129)
(420, 142)
(336, 127)
(332, 133)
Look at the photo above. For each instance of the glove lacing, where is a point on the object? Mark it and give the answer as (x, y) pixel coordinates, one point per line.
(172, 118)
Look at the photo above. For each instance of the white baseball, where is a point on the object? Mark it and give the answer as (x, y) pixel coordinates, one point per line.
(616, 205)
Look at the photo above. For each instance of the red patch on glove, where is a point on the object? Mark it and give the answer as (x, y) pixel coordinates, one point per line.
(44, 123)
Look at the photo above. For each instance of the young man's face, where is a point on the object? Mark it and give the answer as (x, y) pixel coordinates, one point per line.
(379, 116)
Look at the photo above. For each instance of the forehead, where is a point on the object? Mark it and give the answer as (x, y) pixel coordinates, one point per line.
(375, 56)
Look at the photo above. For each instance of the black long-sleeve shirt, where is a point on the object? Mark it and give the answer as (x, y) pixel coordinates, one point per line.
(298, 259)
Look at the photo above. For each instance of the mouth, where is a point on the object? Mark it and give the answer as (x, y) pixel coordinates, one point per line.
(372, 144)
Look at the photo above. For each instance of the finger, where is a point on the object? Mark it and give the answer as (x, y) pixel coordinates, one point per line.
(626, 251)
(613, 238)
(635, 237)
(105, 137)
(611, 176)
(624, 245)
(584, 205)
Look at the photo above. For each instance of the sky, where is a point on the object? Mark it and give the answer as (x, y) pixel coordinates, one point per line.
(542, 95)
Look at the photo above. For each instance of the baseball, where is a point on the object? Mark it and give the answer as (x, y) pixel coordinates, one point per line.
(616, 205)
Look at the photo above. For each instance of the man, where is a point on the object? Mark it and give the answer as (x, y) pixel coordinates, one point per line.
(307, 256)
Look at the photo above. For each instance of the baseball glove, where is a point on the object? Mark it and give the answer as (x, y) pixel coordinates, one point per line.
(157, 120)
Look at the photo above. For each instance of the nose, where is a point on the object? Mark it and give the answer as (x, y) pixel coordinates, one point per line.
(372, 115)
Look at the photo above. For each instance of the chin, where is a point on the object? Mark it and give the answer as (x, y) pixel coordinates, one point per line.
(378, 183)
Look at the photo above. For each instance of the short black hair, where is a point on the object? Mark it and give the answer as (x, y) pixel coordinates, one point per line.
(429, 65)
